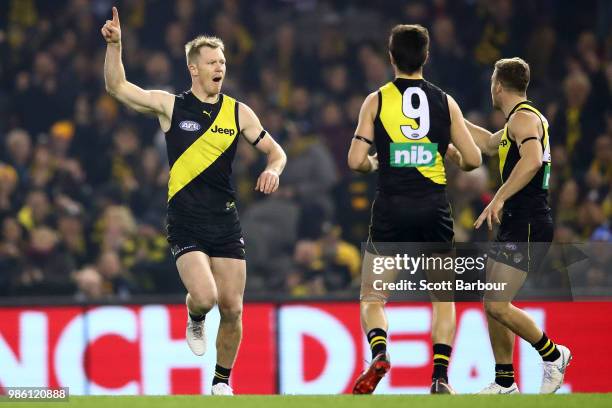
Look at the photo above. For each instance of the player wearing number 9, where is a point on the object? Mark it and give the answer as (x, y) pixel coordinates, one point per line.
(412, 123)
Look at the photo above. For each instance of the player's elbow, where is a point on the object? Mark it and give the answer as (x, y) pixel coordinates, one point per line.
(472, 161)
(531, 161)
(469, 167)
(280, 154)
(354, 162)
(111, 91)
(351, 164)
(473, 164)
(535, 163)
(108, 87)
(113, 88)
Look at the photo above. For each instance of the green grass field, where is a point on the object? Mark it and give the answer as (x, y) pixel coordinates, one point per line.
(340, 401)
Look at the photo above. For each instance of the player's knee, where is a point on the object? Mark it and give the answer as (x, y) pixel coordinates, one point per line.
(371, 303)
(497, 310)
(371, 306)
(231, 312)
(444, 316)
(204, 300)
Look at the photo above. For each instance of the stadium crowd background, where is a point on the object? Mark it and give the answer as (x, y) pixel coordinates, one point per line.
(83, 180)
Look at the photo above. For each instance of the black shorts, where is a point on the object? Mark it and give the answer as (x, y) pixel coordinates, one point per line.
(401, 218)
(216, 239)
(523, 239)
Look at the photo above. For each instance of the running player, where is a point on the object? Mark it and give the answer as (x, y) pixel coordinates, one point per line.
(411, 122)
(202, 127)
(526, 226)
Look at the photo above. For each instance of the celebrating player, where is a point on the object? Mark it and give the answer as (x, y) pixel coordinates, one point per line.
(202, 127)
(526, 226)
(411, 122)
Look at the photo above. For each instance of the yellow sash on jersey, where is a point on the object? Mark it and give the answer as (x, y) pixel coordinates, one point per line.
(504, 144)
(393, 119)
(206, 149)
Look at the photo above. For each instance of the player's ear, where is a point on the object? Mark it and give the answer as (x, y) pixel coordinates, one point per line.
(391, 59)
(498, 87)
(192, 69)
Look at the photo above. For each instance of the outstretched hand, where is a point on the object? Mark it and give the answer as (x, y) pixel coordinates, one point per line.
(111, 31)
(490, 214)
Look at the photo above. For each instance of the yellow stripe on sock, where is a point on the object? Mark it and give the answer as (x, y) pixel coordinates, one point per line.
(442, 356)
(221, 375)
(549, 351)
(377, 338)
(504, 375)
(546, 345)
(383, 341)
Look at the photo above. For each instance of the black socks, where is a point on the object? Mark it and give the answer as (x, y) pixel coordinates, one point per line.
(197, 318)
(504, 375)
(378, 341)
(222, 375)
(547, 349)
(441, 358)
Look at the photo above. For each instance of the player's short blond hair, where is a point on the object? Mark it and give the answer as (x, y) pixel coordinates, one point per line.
(513, 73)
(192, 48)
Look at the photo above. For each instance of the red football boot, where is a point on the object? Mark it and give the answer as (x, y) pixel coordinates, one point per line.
(369, 379)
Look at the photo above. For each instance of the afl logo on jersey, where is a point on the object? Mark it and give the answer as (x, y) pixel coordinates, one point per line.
(190, 126)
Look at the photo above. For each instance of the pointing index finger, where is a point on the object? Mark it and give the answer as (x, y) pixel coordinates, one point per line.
(115, 15)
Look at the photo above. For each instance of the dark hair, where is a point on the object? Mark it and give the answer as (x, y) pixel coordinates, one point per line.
(409, 46)
(513, 74)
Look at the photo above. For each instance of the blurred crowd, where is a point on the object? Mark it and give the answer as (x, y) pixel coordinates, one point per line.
(83, 179)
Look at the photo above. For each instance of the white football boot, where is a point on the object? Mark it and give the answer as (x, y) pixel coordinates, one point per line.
(495, 388)
(554, 371)
(222, 389)
(196, 336)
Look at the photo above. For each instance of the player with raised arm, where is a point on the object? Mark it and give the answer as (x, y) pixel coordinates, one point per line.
(521, 208)
(202, 126)
(411, 122)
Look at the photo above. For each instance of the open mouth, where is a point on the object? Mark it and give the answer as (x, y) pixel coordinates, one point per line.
(217, 79)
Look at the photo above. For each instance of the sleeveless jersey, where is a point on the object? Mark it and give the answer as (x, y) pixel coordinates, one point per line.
(534, 195)
(411, 133)
(201, 145)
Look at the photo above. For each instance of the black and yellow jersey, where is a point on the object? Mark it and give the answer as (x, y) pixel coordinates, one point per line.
(201, 145)
(534, 196)
(411, 133)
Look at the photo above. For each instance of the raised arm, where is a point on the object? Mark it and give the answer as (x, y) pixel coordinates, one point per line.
(158, 103)
(358, 158)
(487, 142)
(469, 156)
(255, 134)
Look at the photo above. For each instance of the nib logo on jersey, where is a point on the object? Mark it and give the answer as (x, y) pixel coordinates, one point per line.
(413, 154)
